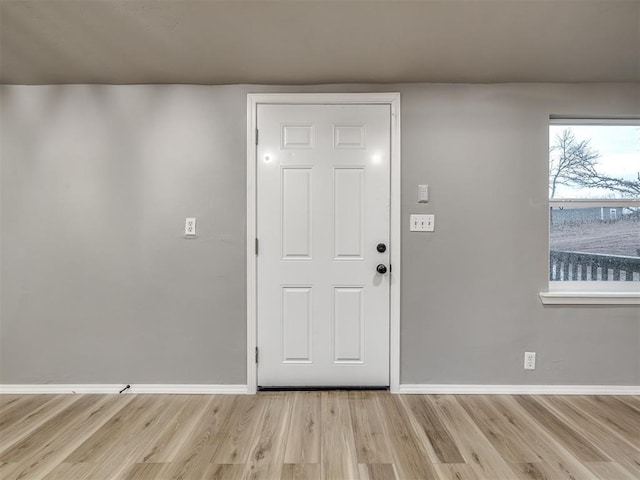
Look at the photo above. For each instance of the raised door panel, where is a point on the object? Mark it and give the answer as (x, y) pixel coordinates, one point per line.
(297, 136)
(296, 213)
(348, 213)
(349, 136)
(348, 318)
(297, 316)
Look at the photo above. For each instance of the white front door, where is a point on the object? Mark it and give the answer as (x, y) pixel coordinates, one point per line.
(323, 200)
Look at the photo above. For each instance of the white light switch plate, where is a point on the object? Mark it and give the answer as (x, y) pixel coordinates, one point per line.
(190, 227)
(422, 223)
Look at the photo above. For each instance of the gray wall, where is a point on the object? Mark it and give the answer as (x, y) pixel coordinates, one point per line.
(100, 286)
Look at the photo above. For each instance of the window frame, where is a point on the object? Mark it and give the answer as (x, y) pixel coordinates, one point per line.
(589, 292)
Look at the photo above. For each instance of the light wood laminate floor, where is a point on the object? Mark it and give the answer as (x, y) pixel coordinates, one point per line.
(319, 435)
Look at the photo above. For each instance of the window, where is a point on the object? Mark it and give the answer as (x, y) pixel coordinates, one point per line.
(594, 212)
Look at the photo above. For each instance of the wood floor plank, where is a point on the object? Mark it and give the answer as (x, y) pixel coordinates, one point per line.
(119, 427)
(164, 448)
(533, 471)
(408, 453)
(456, 471)
(8, 399)
(338, 445)
(233, 471)
(570, 439)
(267, 456)
(50, 429)
(616, 403)
(612, 413)
(148, 426)
(240, 430)
(502, 435)
(309, 471)
(553, 457)
(543, 470)
(439, 437)
(40, 452)
(303, 440)
(194, 455)
(632, 401)
(146, 471)
(619, 449)
(8, 469)
(610, 471)
(476, 449)
(376, 471)
(21, 421)
(196, 464)
(18, 411)
(370, 442)
(68, 471)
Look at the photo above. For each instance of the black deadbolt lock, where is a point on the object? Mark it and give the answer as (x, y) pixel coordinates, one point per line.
(381, 247)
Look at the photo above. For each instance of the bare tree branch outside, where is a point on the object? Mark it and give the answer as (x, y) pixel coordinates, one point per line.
(575, 163)
(570, 161)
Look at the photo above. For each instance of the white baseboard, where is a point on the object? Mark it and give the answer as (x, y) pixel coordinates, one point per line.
(446, 389)
(135, 388)
(424, 389)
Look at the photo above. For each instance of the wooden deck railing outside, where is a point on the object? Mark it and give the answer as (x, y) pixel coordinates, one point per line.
(579, 266)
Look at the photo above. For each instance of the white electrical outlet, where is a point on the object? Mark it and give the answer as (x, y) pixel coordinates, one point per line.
(422, 223)
(423, 193)
(190, 227)
(529, 360)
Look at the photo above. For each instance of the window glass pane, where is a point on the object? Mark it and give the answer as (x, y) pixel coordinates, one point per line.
(594, 161)
(595, 243)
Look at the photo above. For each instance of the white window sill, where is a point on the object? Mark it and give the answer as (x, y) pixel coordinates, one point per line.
(590, 298)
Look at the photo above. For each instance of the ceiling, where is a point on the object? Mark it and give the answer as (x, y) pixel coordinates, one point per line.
(311, 42)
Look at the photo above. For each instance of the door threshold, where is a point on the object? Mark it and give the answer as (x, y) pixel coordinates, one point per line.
(322, 389)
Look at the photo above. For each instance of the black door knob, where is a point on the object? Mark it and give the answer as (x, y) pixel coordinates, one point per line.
(381, 247)
(381, 269)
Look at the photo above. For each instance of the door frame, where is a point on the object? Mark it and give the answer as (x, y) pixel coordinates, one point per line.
(387, 98)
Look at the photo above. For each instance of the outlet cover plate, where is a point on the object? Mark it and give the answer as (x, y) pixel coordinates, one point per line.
(529, 360)
(190, 227)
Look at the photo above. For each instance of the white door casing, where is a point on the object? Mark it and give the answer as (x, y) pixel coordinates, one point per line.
(319, 184)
